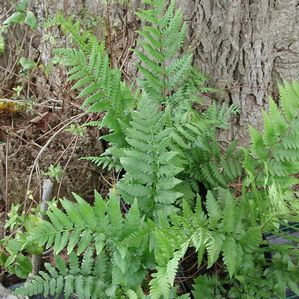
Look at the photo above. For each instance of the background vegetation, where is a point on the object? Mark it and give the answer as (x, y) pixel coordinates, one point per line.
(186, 215)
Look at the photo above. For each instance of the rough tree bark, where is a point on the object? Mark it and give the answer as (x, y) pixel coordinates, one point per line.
(245, 47)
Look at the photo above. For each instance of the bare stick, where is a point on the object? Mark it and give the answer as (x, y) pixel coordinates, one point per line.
(7, 294)
(47, 193)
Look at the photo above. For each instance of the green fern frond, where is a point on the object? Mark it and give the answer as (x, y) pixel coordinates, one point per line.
(213, 209)
(88, 230)
(220, 116)
(204, 159)
(141, 236)
(214, 245)
(206, 286)
(100, 86)
(251, 239)
(230, 255)
(152, 180)
(69, 26)
(229, 214)
(74, 228)
(110, 159)
(159, 285)
(162, 69)
(277, 147)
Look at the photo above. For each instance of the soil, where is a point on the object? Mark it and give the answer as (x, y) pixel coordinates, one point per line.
(23, 136)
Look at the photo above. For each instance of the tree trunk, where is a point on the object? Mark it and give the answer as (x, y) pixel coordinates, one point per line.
(245, 46)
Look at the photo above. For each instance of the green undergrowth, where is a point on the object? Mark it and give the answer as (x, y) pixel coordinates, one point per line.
(181, 193)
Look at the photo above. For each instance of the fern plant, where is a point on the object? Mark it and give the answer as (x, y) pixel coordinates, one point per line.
(135, 243)
(84, 229)
(221, 233)
(168, 78)
(217, 231)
